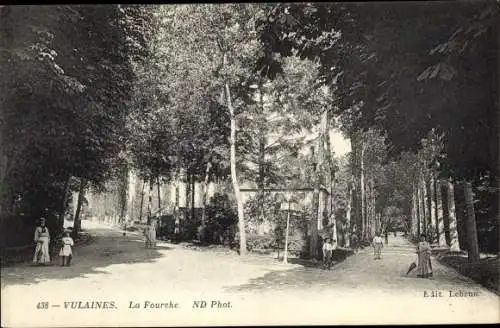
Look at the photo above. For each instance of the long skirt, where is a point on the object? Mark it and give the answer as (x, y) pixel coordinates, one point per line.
(152, 237)
(327, 260)
(42, 251)
(423, 267)
(377, 250)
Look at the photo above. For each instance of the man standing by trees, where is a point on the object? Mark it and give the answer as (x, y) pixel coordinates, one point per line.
(378, 244)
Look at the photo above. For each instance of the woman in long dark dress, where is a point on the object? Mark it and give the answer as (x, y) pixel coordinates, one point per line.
(424, 269)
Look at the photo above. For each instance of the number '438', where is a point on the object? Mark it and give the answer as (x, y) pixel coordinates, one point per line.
(42, 305)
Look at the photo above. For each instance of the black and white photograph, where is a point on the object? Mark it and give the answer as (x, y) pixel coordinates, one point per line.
(221, 164)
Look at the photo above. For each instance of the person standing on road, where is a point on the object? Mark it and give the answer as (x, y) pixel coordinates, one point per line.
(386, 235)
(424, 269)
(377, 244)
(354, 242)
(66, 252)
(42, 240)
(147, 242)
(327, 253)
(152, 233)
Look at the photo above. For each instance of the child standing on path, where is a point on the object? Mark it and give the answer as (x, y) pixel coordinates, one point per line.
(66, 252)
(327, 253)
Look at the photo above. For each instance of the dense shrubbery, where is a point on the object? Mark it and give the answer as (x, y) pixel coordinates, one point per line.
(221, 221)
(268, 242)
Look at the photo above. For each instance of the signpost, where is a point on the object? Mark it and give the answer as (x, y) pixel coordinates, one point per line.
(288, 198)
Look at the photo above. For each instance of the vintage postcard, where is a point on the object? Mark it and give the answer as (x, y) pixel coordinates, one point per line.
(249, 164)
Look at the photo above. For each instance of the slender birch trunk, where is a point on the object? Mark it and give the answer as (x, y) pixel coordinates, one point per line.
(234, 177)
(432, 208)
(347, 232)
(439, 214)
(414, 219)
(452, 218)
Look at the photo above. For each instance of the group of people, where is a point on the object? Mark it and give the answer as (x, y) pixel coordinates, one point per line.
(42, 253)
(42, 241)
(423, 250)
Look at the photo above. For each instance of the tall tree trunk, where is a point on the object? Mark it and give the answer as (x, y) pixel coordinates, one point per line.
(64, 200)
(347, 231)
(3, 161)
(142, 200)
(77, 222)
(357, 201)
(432, 208)
(439, 214)
(123, 194)
(187, 193)
(425, 206)
(158, 187)
(363, 196)
(325, 131)
(452, 218)
(193, 191)
(373, 209)
(262, 154)
(234, 177)
(3, 178)
(419, 209)
(177, 195)
(131, 196)
(205, 190)
(313, 245)
(414, 219)
(150, 199)
(473, 246)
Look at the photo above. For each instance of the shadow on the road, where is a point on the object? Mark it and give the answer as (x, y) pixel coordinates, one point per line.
(296, 278)
(89, 259)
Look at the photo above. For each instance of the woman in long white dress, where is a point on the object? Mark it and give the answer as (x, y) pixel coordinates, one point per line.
(42, 240)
